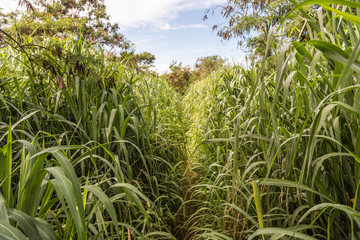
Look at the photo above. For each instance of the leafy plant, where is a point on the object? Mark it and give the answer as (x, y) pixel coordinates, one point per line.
(276, 150)
(80, 150)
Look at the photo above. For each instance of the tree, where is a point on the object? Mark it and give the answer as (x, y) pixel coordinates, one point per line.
(180, 77)
(250, 21)
(138, 61)
(63, 18)
(204, 66)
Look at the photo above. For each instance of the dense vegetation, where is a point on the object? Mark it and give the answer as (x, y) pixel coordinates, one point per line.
(91, 148)
(181, 77)
(280, 147)
(86, 146)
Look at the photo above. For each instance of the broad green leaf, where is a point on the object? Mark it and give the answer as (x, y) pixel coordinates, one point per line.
(45, 229)
(159, 234)
(8, 232)
(280, 231)
(334, 52)
(105, 200)
(286, 183)
(3, 211)
(66, 187)
(257, 199)
(133, 194)
(26, 223)
(216, 235)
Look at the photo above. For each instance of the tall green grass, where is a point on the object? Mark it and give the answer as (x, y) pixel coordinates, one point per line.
(90, 149)
(87, 149)
(277, 150)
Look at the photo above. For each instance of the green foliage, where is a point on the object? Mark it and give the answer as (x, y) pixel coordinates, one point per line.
(180, 77)
(276, 150)
(140, 62)
(204, 66)
(85, 146)
(65, 18)
(89, 149)
(250, 22)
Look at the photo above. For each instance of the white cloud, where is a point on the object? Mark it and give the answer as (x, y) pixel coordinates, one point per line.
(136, 13)
(161, 68)
(167, 26)
(9, 5)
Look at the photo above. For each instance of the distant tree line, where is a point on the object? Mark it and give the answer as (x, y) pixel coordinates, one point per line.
(180, 77)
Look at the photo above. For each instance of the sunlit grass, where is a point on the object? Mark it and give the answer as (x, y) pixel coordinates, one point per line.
(85, 146)
(90, 149)
(278, 148)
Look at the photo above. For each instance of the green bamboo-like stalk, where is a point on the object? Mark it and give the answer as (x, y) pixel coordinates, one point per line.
(95, 157)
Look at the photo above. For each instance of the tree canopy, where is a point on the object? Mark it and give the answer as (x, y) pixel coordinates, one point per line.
(86, 19)
(204, 66)
(63, 18)
(249, 21)
(180, 76)
(138, 61)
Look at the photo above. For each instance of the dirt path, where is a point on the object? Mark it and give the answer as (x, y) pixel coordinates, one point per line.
(185, 219)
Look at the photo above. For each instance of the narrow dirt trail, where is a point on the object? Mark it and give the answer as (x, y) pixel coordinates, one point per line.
(185, 220)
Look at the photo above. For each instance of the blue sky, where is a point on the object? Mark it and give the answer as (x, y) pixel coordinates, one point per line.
(170, 29)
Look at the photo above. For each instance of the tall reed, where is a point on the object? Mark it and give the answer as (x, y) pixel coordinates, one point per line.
(80, 150)
(278, 149)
